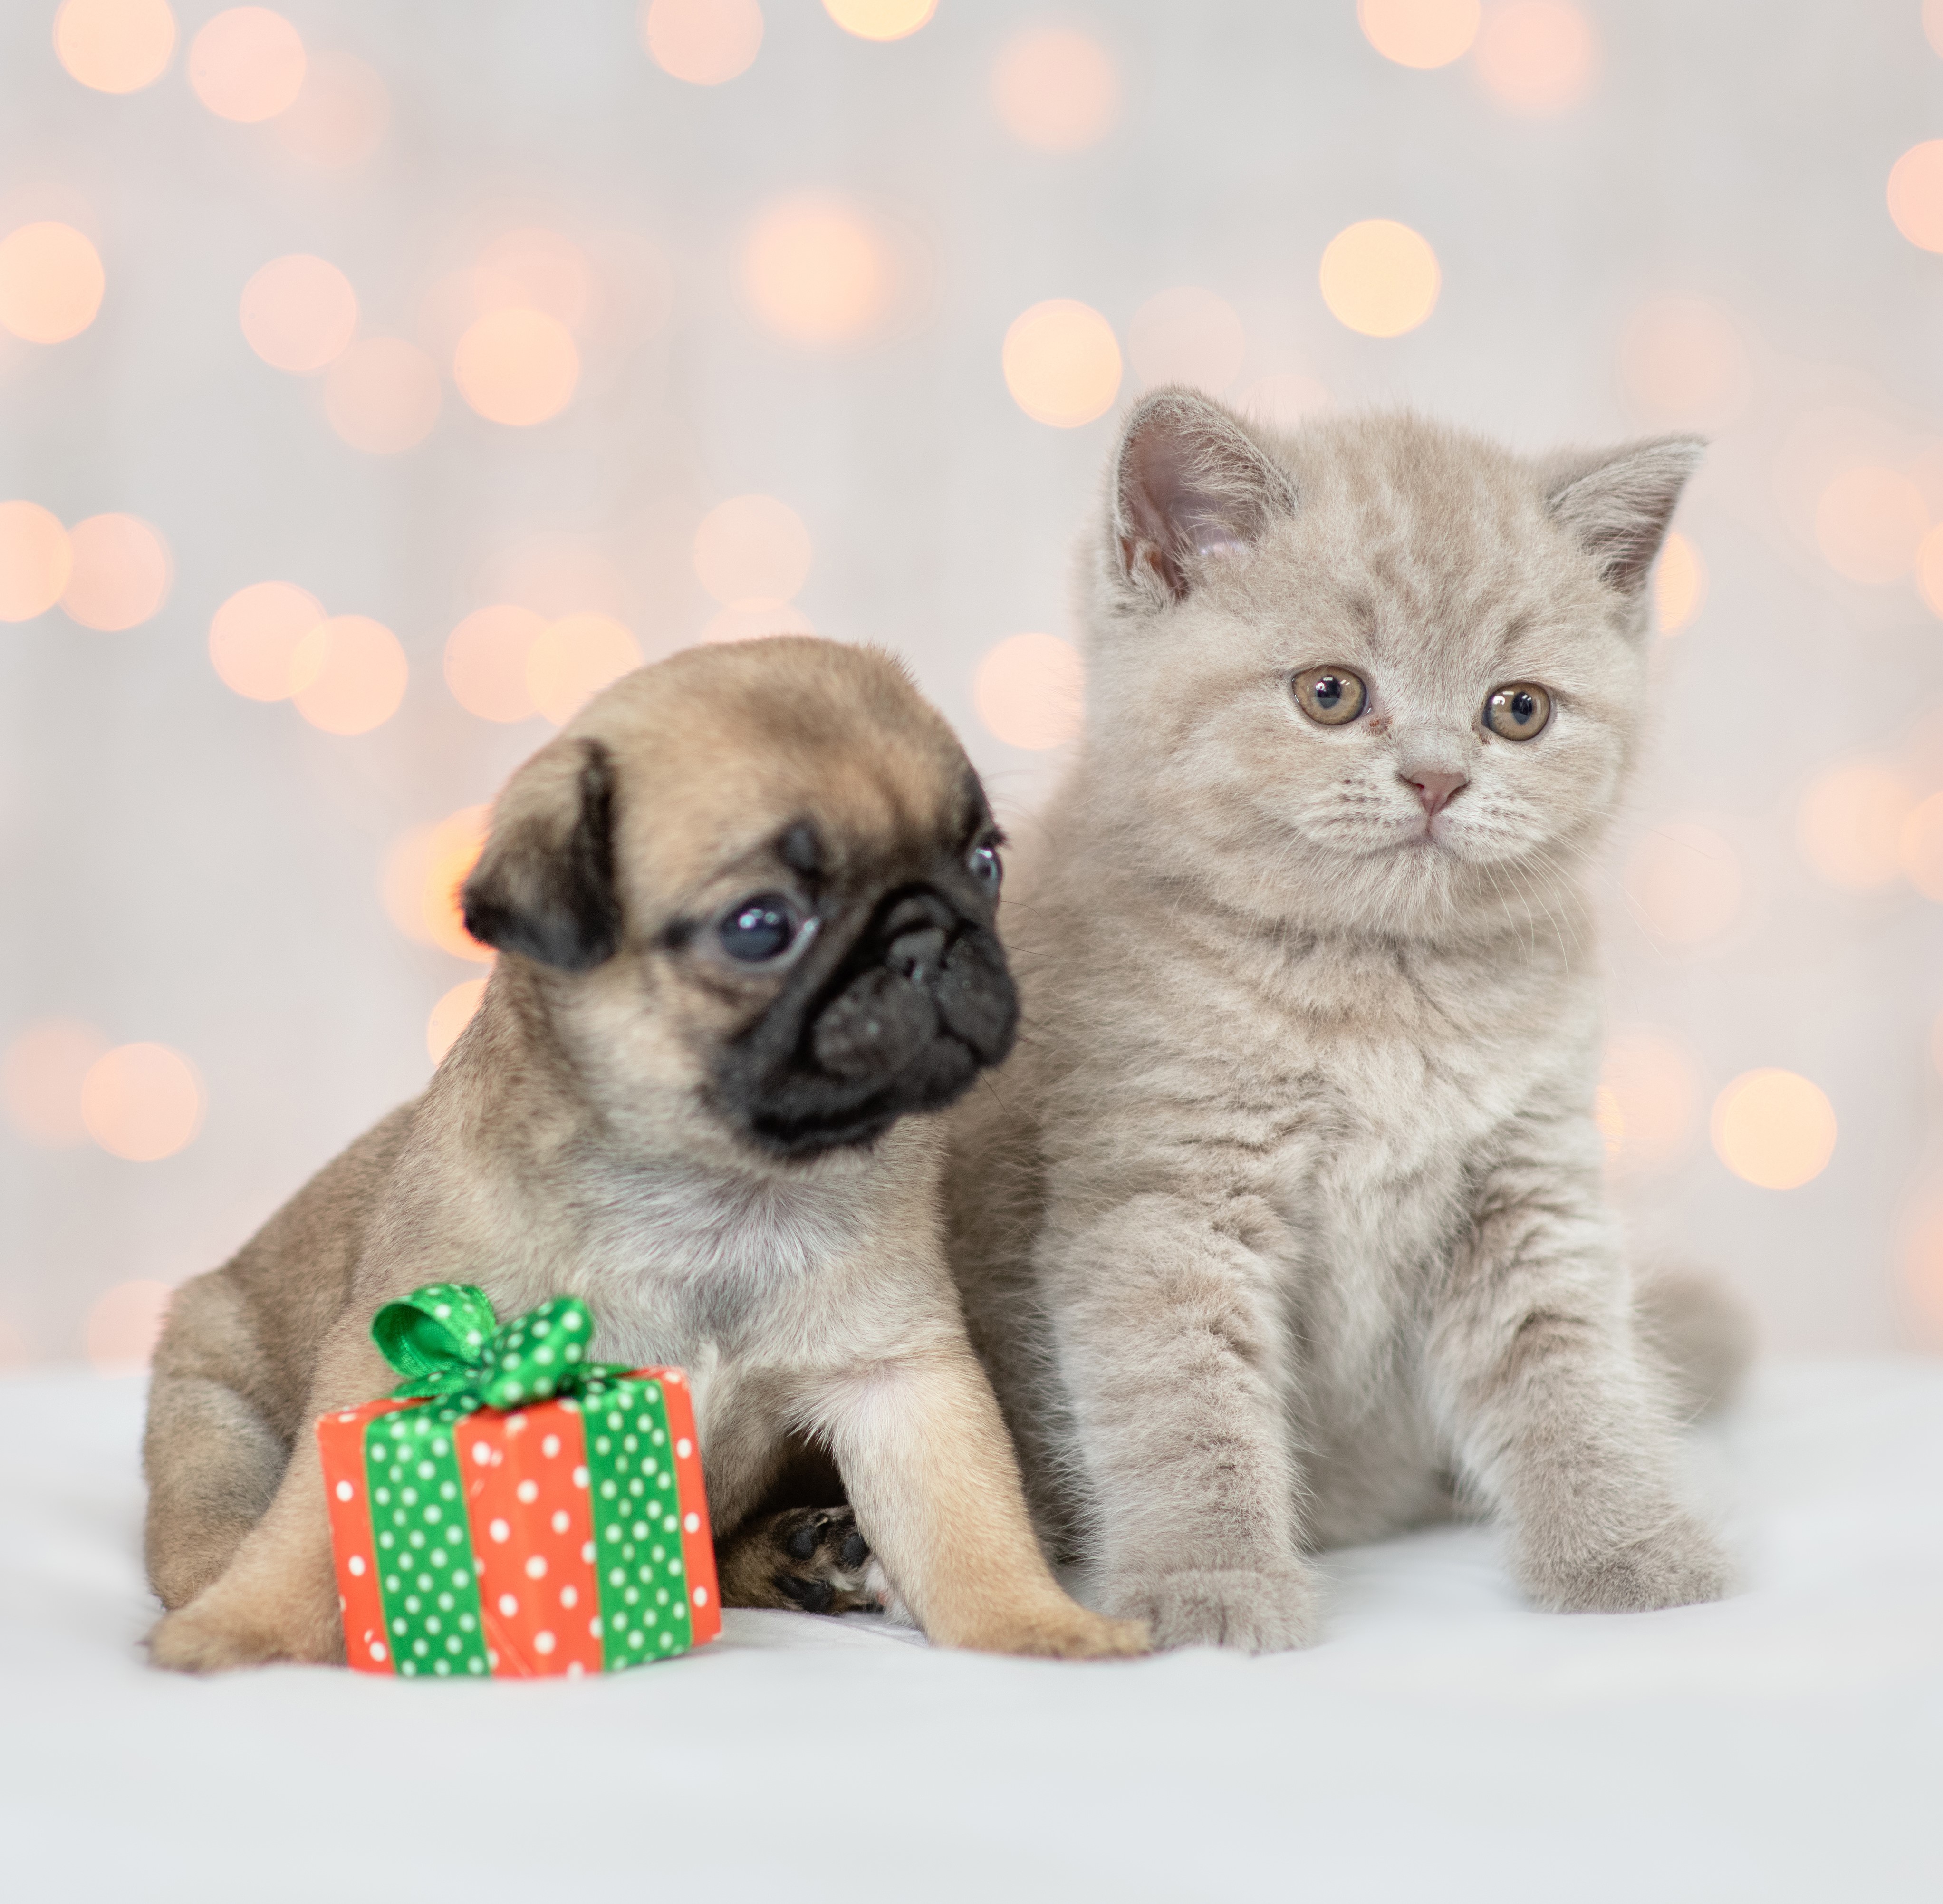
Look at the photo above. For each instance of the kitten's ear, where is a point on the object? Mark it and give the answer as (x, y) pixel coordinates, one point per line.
(544, 886)
(1617, 505)
(1189, 481)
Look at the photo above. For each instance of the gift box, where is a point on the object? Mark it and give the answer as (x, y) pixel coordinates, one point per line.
(515, 1508)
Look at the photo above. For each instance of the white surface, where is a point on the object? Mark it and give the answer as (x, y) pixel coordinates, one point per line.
(1442, 1743)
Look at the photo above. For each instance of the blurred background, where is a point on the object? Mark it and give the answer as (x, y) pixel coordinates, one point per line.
(377, 381)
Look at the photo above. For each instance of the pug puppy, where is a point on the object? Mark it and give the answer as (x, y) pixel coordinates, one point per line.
(743, 905)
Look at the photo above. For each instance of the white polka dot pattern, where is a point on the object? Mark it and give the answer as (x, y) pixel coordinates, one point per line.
(424, 1547)
(637, 1563)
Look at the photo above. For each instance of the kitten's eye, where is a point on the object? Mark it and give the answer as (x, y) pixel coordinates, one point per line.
(1331, 695)
(757, 930)
(982, 863)
(1518, 711)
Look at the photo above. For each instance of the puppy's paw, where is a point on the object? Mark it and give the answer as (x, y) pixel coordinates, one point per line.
(811, 1558)
(1051, 1628)
(205, 1638)
(1679, 1564)
(1270, 1609)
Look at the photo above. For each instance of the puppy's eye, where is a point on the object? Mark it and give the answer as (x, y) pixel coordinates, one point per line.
(756, 930)
(1331, 695)
(1518, 711)
(982, 862)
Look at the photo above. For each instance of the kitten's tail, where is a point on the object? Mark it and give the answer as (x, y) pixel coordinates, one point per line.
(1699, 1331)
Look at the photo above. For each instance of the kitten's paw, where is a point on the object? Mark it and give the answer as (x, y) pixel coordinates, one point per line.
(205, 1638)
(1680, 1564)
(812, 1558)
(1257, 1610)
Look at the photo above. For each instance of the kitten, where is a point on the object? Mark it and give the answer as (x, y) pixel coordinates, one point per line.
(1285, 1226)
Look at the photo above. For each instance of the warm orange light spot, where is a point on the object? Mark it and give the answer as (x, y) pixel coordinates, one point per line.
(298, 313)
(50, 282)
(1029, 690)
(1774, 1128)
(557, 574)
(814, 271)
(1420, 33)
(1062, 363)
(573, 659)
(1379, 277)
(124, 1326)
(1683, 359)
(880, 20)
(254, 636)
(516, 367)
(382, 395)
(115, 46)
(1056, 89)
(1684, 882)
(1679, 583)
(423, 874)
(1919, 848)
(1649, 1100)
(486, 661)
(1283, 401)
(1186, 335)
(1933, 24)
(353, 674)
(35, 560)
(1919, 1257)
(1536, 57)
(1849, 822)
(703, 41)
(1869, 523)
(451, 1015)
(537, 270)
(40, 1078)
(1930, 569)
(1915, 194)
(247, 64)
(752, 548)
(750, 620)
(142, 1102)
(122, 572)
(339, 117)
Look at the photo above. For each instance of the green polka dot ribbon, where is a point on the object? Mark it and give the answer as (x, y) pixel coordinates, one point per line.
(423, 1546)
(447, 1343)
(637, 1561)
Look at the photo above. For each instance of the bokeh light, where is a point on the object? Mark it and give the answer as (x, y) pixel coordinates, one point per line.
(1649, 1100)
(1679, 583)
(423, 874)
(815, 272)
(1062, 363)
(254, 637)
(298, 313)
(450, 1016)
(1774, 1128)
(142, 1102)
(752, 548)
(1029, 691)
(1932, 23)
(1919, 1258)
(1420, 33)
(573, 659)
(1849, 824)
(339, 117)
(1919, 847)
(1189, 336)
(486, 661)
(1915, 194)
(352, 672)
(247, 64)
(36, 559)
(1869, 523)
(50, 282)
(1684, 882)
(516, 367)
(1056, 89)
(382, 395)
(123, 1325)
(1536, 57)
(120, 574)
(1379, 277)
(1930, 569)
(115, 46)
(703, 41)
(532, 268)
(880, 20)
(555, 573)
(1682, 362)
(749, 621)
(1283, 401)
(41, 1077)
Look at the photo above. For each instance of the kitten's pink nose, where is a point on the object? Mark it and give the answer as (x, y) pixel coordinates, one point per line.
(1436, 790)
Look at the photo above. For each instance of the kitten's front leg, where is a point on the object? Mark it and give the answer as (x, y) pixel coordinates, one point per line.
(1553, 1414)
(1171, 1345)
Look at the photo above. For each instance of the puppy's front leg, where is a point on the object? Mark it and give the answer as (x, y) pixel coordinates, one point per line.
(926, 1462)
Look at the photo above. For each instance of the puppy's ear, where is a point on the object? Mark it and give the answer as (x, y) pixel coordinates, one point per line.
(544, 887)
(1616, 504)
(1190, 485)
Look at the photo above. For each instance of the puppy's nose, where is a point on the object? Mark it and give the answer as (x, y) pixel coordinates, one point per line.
(1436, 790)
(918, 954)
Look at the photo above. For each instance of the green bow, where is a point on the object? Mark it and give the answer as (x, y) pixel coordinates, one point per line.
(446, 1342)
